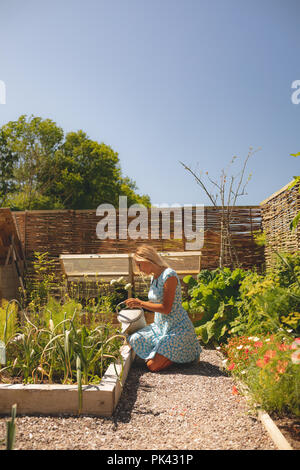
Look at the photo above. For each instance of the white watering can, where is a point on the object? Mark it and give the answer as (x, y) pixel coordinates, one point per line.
(132, 320)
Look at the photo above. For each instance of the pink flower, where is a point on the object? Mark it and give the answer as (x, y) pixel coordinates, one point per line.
(296, 357)
(296, 344)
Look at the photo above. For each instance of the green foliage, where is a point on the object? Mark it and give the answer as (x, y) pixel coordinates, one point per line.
(47, 337)
(41, 168)
(217, 328)
(214, 294)
(292, 320)
(259, 238)
(11, 429)
(79, 383)
(242, 302)
(266, 299)
(7, 162)
(287, 269)
(38, 289)
(49, 351)
(8, 319)
(263, 312)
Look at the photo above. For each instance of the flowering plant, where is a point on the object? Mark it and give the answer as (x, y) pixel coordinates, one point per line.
(269, 366)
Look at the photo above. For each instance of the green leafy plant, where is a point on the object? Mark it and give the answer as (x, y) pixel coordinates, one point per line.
(42, 280)
(214, 294)
(79, 382)
(218, 327)
(8, 319)
(47, 350)
(11, 429)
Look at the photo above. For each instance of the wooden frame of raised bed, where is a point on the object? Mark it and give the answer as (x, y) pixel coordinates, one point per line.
(55, 399)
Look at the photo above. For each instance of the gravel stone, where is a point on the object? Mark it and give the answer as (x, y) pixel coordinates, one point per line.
(184, 407)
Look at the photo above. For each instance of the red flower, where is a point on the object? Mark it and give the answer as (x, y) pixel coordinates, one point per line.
(258, 344)
(235, 390)
(260, 363)
(281, 366)
(232, 366)
(269, 355)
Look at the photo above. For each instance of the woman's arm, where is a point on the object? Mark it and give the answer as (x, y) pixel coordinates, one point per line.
(166, 306)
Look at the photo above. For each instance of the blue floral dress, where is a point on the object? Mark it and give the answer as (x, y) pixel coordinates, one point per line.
(172, 335)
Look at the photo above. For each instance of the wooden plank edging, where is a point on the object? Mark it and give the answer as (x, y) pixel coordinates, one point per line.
(55, 399)
(276, 435)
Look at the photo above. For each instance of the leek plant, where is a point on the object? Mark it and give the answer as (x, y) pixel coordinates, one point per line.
(11, 429)
(49, 351)
(79, 382)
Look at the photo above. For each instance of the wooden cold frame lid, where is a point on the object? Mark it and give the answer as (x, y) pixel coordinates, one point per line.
(95, 265)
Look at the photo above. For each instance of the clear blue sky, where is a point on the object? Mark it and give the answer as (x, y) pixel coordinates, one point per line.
(162, 81)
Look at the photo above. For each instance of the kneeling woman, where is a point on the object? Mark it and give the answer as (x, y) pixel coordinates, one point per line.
(171, 338)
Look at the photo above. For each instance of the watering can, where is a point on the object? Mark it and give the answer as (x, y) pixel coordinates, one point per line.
(132, 320)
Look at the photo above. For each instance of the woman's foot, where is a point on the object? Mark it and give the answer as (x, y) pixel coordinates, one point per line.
(158, 363)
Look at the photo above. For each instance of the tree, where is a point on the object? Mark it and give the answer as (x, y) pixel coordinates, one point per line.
(34, 142)
(7, 161)
(53, 171)
(228, 193)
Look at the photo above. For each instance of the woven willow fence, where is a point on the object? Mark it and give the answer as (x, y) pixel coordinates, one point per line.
(277, 212)
(74, 231)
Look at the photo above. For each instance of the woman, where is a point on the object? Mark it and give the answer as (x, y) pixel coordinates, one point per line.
(171, 338)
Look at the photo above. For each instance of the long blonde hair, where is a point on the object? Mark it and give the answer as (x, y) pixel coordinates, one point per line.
(148, 253)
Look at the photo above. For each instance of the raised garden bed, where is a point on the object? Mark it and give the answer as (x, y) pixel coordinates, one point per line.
(55, 399)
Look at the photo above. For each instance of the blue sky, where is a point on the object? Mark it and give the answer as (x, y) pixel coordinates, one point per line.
(162, 81)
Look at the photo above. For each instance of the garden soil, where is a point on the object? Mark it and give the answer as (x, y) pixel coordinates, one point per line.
(193, 407)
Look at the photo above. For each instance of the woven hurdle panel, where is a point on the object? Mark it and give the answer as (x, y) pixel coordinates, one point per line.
(74, 232)
(277, 213)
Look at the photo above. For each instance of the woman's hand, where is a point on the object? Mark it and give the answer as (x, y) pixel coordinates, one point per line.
(133, 303)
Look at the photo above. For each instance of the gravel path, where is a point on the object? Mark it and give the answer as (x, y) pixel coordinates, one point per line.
(184, 407)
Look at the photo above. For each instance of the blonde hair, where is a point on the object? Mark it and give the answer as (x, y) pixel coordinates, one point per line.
(148, 253)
